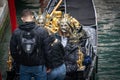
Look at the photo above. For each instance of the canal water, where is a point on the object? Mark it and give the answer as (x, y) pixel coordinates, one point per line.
(108, 13)
(108, 16)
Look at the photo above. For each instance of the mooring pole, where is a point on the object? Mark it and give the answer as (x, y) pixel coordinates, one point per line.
(12, 12)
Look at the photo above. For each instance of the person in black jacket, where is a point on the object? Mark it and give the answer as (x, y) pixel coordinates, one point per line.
(56, 66)
(69, 37)
(29, 52)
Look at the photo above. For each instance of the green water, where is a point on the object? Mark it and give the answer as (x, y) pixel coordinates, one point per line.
(108, 13)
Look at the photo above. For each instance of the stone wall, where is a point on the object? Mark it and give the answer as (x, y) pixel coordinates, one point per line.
(3, 10)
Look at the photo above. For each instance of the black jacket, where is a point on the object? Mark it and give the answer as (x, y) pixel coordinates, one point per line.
(70, 57)
(56, 53)
(37, 57)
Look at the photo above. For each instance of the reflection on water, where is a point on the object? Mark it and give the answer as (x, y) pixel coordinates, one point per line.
(108, 13)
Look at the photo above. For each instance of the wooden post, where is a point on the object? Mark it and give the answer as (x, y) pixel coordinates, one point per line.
(12, 11)
(43, 4)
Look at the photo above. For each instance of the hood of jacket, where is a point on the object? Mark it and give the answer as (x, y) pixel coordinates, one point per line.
(27, 26)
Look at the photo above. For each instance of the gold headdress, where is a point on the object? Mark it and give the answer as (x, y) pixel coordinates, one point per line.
(52, 22)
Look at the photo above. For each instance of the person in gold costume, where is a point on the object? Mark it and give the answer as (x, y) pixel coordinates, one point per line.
(71, 35)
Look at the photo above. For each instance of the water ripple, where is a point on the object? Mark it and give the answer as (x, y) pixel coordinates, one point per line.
(108, 12)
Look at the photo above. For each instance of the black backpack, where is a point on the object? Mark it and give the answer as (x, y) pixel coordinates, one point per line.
(28, 41)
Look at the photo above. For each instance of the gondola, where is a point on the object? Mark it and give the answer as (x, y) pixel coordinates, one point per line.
(80, 15)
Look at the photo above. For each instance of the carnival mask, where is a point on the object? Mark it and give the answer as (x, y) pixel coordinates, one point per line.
(41, 21)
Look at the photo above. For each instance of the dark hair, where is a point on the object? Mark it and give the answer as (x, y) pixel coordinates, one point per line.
(26, 12)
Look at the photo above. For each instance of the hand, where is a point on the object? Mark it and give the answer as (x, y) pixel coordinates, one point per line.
(48, 70)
